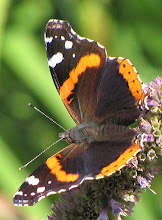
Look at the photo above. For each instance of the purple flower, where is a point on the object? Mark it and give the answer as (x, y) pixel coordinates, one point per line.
(103, 215)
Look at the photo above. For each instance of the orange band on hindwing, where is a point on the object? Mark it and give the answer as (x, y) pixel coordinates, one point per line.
(88, 61)
(121, 161)
(53, 163)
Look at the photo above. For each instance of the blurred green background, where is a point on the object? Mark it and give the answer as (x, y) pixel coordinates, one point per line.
(131, 29)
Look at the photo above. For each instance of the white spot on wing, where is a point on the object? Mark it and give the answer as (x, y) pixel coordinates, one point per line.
(52, 20)
(89, 178)
(62, 38)
(100, 177)
(41, 189)
(25, 202)
(68, 44)
(74, 186)
(48, 39)
(32, 180)
(134, 69)
(42, 197)
(121, 58)
(61, 190)
(51, 193)
(60, 21)
(81, 38)
(17, 204)
(100, 45)
(49, 182)
(90, 40)
(33, 194)
(73, 55)
(129, 62)
(73, 32)
(55, 59)
(112, 58)
(20, 193)
(139, 79)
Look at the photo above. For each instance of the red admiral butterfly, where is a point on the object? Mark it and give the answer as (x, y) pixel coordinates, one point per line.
(103, 95)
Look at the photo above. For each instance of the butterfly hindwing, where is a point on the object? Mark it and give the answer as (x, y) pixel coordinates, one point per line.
(60, 172)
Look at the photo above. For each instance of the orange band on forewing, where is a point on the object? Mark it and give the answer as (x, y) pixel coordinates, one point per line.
(121, 161)
(88, 61)
(53, 164)
(130, 74)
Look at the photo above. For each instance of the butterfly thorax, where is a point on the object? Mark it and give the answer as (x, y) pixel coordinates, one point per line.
(94, 132)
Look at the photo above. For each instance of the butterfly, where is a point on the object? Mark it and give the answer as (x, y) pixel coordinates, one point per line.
(103, 95)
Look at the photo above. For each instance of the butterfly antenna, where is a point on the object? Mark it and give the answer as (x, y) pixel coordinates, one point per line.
(38, 110)
(40, 154)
